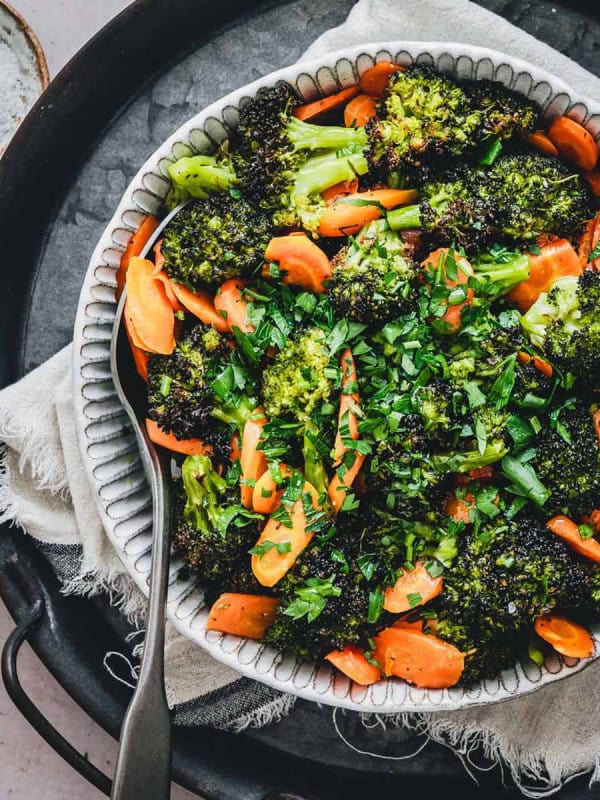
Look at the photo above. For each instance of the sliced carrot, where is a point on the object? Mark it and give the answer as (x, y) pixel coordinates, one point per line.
(541, 142)
(266, 494)
(171, 296)
(342, 481)
(189, 447)
(349, 405)
(359, 111)
(148, 308)
(253, 462)
(545, 367)
(595, 264)
(242, 614)
(460, 508)
(567, 530)
(574, 143)
(316, 109)
(375, 80)
(134, 247)
(596, 421)
(419, 658)
(352, 662)
(140, 356)
(593, 519)
(230, 305)
(428, 626)
(437, 260)
(413, 587)
(556, 260)
(592, 176)
(200, 304)
(234, 444)
(339, 190)
(271, 566)
(584, 245)
(566, 637)
(347, 215)
(302, 261)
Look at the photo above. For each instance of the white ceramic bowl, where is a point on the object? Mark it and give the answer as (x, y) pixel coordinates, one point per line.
(107, 443)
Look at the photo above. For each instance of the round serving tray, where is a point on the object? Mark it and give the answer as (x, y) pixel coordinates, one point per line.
(51, 241)
(107, 442)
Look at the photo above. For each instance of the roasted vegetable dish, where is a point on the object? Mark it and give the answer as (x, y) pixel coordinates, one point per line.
(371, 341)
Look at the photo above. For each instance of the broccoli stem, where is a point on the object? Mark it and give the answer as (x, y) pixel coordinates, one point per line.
(321, 172)
(200, 175)
(504, 276)
(464, 462)
(235, 414)
(404, 218)
(306, 136)
(203, 485)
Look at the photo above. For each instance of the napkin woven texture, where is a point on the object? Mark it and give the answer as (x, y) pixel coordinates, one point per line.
(542, 739)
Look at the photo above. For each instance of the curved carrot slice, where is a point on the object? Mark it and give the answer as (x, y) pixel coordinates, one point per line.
(541, 142)
(349, 405)
(134, 247)
(347, 215)
(201, 305)
(418, 658)
(352, 662)
(359, 111)
(270, 567)
(567, 530)
(339, 190)
(596, 421)
(242, 614)
(230, 305)
(159, 259)
(140, 356)
(148, 308)
(234, 444)
(253, 462)
(556, 260)
(267, 493)
(302, 261)
(437, 260)
(545, 367)
(592, 176)
(189, 447)
(428, 626)
(566, 637)
(343, 480)
(374, 80)
(316, 109)
(459, 508)
(413, 587)
(574, 143)
(171, 296)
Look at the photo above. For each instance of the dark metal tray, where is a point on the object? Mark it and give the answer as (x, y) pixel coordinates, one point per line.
(138, 79)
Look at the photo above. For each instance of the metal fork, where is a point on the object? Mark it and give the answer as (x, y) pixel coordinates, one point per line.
(143, 767)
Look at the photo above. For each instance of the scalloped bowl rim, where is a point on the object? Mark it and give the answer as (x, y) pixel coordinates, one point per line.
(109, 453)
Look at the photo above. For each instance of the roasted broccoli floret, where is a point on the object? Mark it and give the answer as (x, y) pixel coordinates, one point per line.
(505, 575)
(565, 324)
(180, 399)
(212, 531)
(323, 602)
(284, 163)
(537, 194)
(433, 402)
(296, 382)
(503, 113)
(424, 117)
(214, 239)
(373, 276)
(199, 176)
(451, 212)
(567, 462)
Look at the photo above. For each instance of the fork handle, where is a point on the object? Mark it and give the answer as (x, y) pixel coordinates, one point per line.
(144, 762)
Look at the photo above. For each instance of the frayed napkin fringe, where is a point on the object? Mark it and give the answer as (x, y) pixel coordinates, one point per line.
(123, 594)
(43, 461)
(271, 712)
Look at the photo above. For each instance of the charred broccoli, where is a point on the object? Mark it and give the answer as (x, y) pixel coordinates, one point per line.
(214, 239)
(373, 276)
(567, 462)
(424, 117)
(503, 113)
(503, 577)
(212, 531)
(565, 324)
(284, 163)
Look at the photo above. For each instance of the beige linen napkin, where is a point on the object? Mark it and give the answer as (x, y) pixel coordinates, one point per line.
(544, 738)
